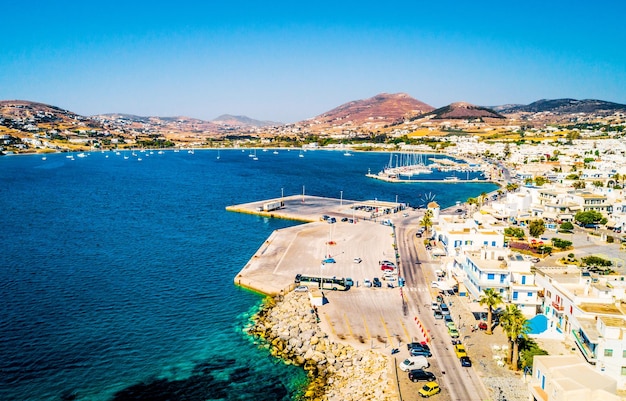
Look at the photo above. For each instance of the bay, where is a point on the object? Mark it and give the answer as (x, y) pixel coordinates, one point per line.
(117, 274)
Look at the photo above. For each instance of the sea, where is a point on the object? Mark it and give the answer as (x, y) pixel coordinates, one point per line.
(116, 270)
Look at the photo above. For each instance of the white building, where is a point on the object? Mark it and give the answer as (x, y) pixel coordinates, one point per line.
(567, 378)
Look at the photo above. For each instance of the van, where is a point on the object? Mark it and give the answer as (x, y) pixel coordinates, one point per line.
(414, 362)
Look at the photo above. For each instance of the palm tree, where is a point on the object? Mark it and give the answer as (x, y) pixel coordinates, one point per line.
(515, 326)
(482, 197)
(491, 298)
(511, 187)
(471, 202)
(427, 220)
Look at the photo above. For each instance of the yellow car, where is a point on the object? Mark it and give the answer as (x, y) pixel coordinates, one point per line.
(429, 389)
(459, 350)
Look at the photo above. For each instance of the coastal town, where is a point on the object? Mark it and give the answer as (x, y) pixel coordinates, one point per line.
(545, 247)
(515, 294)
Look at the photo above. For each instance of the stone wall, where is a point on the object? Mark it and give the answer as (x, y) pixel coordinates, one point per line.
(289, 329)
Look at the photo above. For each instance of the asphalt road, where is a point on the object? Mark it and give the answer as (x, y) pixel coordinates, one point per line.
(457, 382)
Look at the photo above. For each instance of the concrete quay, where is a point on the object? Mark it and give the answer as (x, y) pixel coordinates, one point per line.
(365, 317)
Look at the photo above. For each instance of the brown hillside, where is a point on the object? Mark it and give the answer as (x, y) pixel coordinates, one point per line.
(376, 111)
(463, 110)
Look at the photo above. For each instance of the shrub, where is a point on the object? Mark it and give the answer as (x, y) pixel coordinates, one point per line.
(561, 243)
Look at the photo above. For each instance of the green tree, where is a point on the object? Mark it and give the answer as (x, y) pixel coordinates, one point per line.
(491, 298)
(427, 220)
(511, 187)
(561, 243)
(579, 184)
(536, 228)
(566, 227)
(516, 327)
(514, 232)
(588, 217)
(471, 202)
(529, 349)
(572, 177)
(598, 184)
(539, 180)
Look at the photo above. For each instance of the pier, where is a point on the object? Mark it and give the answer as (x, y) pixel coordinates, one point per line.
(457, 180)
(357, 248)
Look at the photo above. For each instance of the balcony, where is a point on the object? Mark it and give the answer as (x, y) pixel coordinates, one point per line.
(584, 347)
(557, 306)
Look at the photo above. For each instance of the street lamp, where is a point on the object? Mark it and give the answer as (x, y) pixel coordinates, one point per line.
(340, 198)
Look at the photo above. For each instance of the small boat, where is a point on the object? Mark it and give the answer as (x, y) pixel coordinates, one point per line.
(44, 158)
(301, 154)
(218, 154)
(347, 153)
(275, 152)
(81, 155)
(451, 179)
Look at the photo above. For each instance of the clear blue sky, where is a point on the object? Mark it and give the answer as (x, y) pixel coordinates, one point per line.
(287, 61)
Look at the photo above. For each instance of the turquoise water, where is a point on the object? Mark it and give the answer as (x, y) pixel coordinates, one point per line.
(117, 274)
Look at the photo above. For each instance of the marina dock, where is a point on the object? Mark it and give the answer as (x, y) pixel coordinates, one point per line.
(357, 248)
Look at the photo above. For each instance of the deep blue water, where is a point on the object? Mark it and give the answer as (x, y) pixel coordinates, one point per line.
(116, 275)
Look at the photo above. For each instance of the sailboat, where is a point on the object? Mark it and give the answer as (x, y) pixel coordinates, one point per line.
(301, 154)
(218, 154)
(254, 155)
(347, 153)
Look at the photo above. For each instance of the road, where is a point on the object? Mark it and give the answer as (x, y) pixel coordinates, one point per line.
(457, 382)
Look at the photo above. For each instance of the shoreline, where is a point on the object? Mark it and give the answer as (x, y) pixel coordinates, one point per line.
(288, 327)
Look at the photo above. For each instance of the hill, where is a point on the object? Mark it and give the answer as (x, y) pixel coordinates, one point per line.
(228, 119)
(565, 106)
(463, 111)
(377, 111)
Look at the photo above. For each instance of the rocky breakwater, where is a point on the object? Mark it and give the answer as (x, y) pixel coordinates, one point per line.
(290, 329)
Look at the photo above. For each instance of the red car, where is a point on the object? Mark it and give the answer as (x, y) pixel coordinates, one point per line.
(387, 268)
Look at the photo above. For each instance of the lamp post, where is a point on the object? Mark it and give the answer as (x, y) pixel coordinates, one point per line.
(340, 198)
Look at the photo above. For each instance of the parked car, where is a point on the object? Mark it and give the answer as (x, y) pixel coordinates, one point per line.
(344, 219)
(434, 305)
(420, 352)
(429, 389)
(447, 318)
(444, 309)
(301, 288)
(459, 350)
(450, 325)
(410, 346)
(388, 262)
(466, 362)
(420, 375)
(387, 268)
(329, 260)
(332, 220)
(414, 362)
(358, 260)
(376, 282)
(438, 314)
(454, 333)
(367, 283)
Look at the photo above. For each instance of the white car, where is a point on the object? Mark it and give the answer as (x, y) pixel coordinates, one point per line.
(414, 362)
(367, 283)
(301, 288)
(358, 260)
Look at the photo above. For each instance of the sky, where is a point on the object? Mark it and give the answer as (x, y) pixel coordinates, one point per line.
(289, 61)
